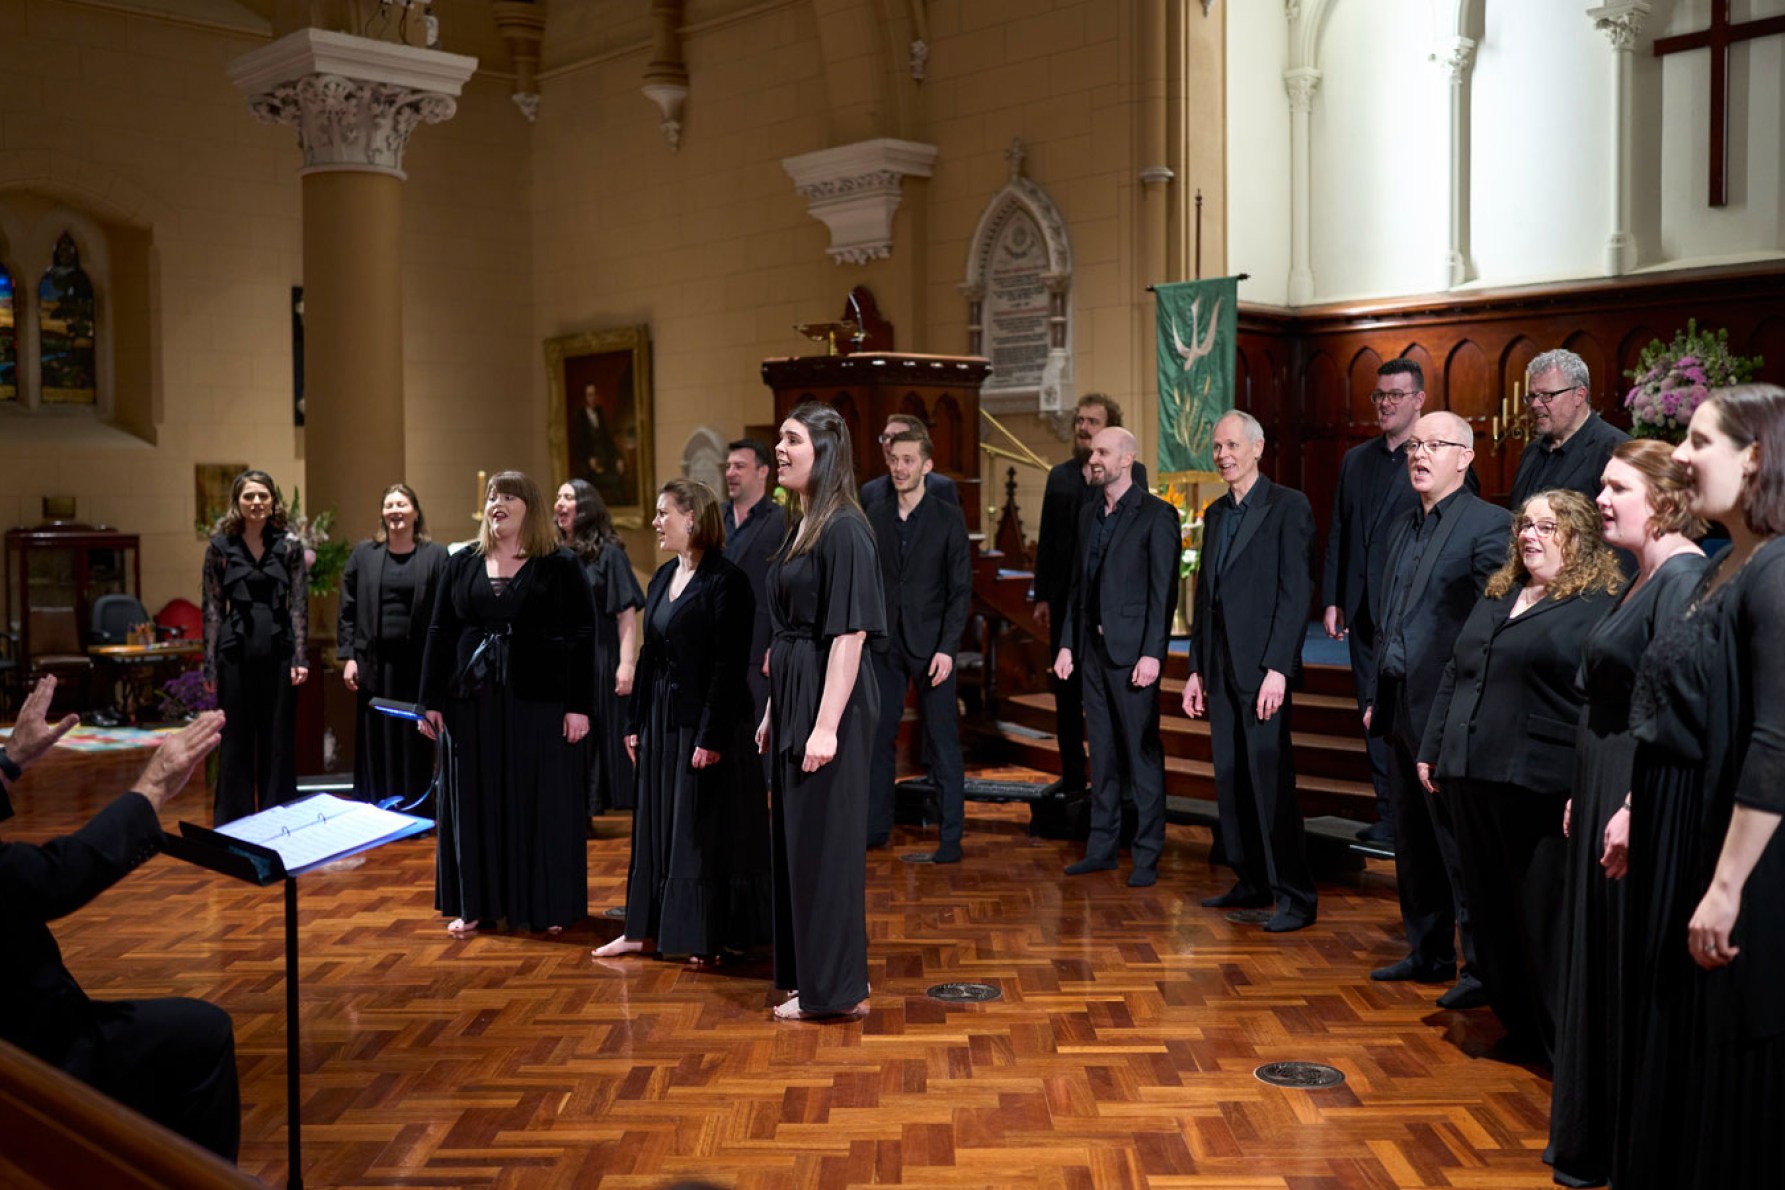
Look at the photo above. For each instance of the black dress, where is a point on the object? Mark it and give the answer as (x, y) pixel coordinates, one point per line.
(700, 880)
(387, 602)
(1705, 1050)
(820, 819)
(1582, 1103)
(504, 667)
(256, 613)
(614, 589)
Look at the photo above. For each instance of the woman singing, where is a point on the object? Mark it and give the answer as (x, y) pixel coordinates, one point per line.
(1705, 952)
(387, 602)
(1643, 510)
(587, 528)
(826, 594)
(700, 881)
(1500, 746)
(509, 671)
(256, 609)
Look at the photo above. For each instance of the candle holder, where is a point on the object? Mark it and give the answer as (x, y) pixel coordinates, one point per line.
(1512, 421)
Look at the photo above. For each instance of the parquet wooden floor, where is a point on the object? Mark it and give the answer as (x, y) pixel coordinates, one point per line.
(1121, 1054)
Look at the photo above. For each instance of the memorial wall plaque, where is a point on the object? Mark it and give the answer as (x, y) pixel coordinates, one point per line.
(1016, 305)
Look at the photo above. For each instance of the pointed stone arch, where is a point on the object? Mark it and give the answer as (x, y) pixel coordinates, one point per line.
(1022, 227)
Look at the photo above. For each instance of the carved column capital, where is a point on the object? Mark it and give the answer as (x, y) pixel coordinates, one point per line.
(1621, 21)
(1300, 84)
(855, 189)
(1456, 57)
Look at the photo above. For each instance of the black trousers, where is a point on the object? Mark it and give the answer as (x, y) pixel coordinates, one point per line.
(257, 759)
(1428, 871)
(1069, 706)
(1360, 641)
(1123, 723)
(173, 1060)
(896, 670)
(1261, 824)
(1514, 863)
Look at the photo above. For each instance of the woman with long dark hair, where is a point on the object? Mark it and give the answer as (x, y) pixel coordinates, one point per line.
(387, 603)
(509, 671)
(587, 529)
(256, 612)
(1704, 951)
(699, 883)
(827, 599)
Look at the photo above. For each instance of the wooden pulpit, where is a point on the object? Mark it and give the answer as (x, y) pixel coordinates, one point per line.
(942, 390)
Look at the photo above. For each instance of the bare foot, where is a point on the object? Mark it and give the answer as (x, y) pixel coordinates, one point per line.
(458, 927)
(791, 1011)
(554, 931)
(706, 960)
(619, 946)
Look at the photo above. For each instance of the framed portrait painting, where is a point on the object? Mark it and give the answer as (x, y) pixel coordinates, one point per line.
(600, 417)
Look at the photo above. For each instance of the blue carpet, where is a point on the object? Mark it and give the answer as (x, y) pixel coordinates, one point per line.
(1316, 648)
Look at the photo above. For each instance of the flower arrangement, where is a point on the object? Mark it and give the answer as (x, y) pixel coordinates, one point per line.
(1189, 527)
(1672, 379)
(325, 559)
(184, 696)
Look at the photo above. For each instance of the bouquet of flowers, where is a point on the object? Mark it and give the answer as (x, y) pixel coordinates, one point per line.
(184, 696)
(1189, 527)
(1672, 379)
(326, 560)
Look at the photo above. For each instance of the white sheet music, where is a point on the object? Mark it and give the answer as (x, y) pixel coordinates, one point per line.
(322, 828)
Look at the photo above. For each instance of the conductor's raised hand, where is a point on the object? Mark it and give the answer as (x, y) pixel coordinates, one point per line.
(171, 767)
(34, 734)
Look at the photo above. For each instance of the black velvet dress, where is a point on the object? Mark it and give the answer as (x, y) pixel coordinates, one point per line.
(820, 819)
(700, 881)
(387, 602)
(1704, 1050)
(504, 667)
(1582, 1104)
(614, 589)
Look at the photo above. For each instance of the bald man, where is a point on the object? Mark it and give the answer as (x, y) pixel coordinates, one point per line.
(1439, 558)
(1117, 626)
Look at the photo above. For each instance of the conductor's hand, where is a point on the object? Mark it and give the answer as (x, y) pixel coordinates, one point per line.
(704, 758)
(941, 666)
(1194, 702)
(298, 674)
(1063, 664)
(1146, 672)
(1271, 695)
(821, 749)
(1425, 777)
(632, 749)
(1334, 622)
(171, 767)
(575, 727)
(431, 724)
(34, 734)
(350, 675)
(1044, 613)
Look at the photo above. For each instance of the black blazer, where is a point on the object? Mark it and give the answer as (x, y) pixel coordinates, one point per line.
(702, 660)
(1056, 543)
(1360, 528)
(1263, 588)
(362, 586)
(1583, 458)
(926, 596)
(1137, 585)
(1508, 706)
(1470, 543)
(752, 549)
(42, 1009)
(550, 657)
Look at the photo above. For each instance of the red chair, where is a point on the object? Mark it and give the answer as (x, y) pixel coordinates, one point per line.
(181, 620)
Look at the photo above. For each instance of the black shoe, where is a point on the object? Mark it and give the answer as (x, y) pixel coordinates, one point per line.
(877, 842)
(1465, 995)
(1090, 865)
(1283, 923)
(1377, 832)
(948, 853)
(1143, 878)
(1410, 968)
(1237, 898)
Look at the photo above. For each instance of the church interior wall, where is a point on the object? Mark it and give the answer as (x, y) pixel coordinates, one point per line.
(1258, 151)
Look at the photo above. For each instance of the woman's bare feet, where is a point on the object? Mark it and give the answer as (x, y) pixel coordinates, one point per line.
(619, 946)
(458, 927)
(791, 1011)
(554, 931)
(706, 960)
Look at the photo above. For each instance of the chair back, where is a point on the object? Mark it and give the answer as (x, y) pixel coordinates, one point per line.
(114, 616)
(180, 619)
(54, 631)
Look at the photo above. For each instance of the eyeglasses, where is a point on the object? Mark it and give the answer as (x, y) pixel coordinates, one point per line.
(1429, 446)
(1389, 396)
(1538, 397)
(1544, 529)
(887, 437)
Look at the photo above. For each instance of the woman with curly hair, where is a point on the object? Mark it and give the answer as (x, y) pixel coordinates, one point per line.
(1500, 748)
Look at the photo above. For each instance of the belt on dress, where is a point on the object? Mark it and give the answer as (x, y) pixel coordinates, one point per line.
(488, 667)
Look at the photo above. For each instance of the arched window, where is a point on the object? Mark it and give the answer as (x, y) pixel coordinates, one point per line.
(65, 313)
(9, 339)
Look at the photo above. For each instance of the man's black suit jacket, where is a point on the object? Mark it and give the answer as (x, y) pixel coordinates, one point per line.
(1468, 545)
(42, 1009)
(927, 591)
(1508, 706)
(703, 659)
(1056, 543)
(1263, 587)
(1137, 585)
(1582, 459)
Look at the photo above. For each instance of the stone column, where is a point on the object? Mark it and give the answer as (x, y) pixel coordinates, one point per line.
(1621, 21)
(1456, 57)
(354, 102)
(1300, 84)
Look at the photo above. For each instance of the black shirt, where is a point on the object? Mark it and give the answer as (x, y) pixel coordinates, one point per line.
(1399, 583)
(1103, 527)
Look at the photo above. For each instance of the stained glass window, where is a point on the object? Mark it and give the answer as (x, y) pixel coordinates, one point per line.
(65, 334)
(9, 340)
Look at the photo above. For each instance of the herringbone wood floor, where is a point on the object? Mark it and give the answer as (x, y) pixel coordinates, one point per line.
(1120, 1055)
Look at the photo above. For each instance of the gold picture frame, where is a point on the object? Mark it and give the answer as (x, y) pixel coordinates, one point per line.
(598, 421)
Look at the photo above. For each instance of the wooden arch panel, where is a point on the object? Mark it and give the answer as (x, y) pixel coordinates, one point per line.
(1469, 384)
(1363, 383)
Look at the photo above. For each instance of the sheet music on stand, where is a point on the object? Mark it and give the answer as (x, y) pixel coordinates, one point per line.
(323, 828)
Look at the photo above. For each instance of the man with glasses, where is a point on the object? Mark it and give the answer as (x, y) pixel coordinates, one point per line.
(881, 486)
(1438, 559)
(1571, 444)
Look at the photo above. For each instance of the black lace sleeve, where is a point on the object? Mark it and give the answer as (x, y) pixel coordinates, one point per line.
(300, 603)
(211, 585)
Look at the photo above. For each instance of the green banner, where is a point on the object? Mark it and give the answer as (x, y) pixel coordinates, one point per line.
(1198, 329)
